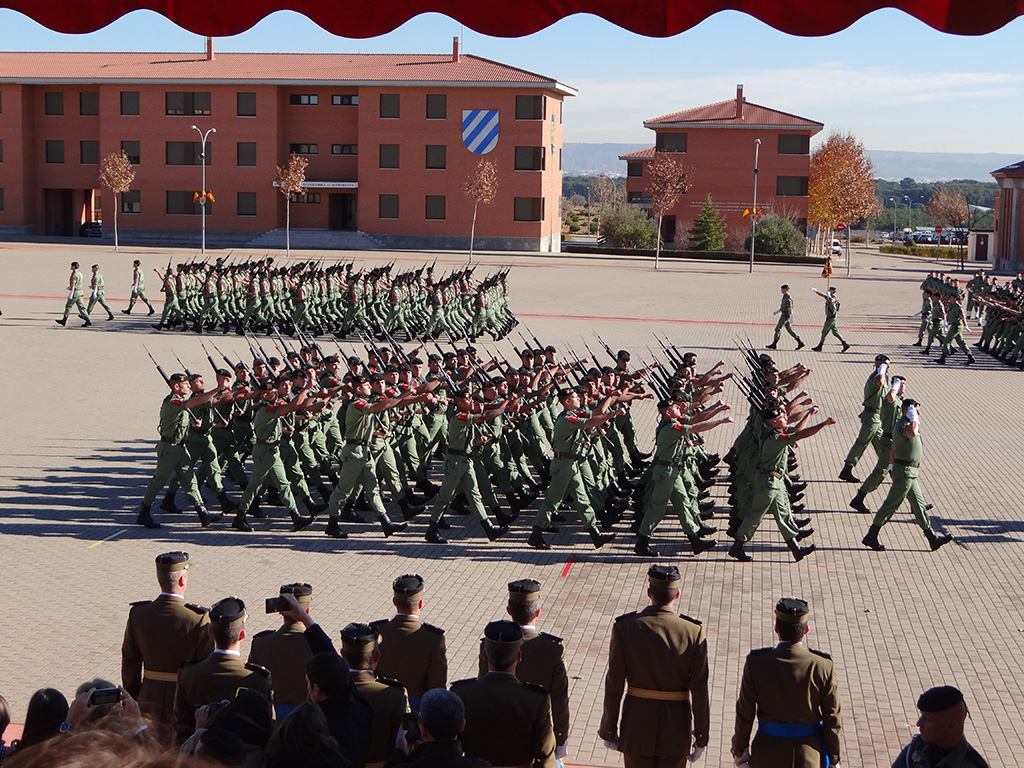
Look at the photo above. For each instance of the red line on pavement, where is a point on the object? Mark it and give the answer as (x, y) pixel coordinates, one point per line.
(565, 571)
(691, 321)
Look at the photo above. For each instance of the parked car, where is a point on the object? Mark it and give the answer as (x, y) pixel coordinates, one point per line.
(837, 248)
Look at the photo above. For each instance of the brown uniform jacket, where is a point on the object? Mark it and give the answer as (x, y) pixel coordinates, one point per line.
(387, 697)
(656, 650)
(789, 683)
(414, 653)
(217, 677)
(161, 636)
(284, 652)
(508, 722)
(543, 664)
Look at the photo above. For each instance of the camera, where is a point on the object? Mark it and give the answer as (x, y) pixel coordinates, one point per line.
(105, 696)
(277, 604)
(411, 726)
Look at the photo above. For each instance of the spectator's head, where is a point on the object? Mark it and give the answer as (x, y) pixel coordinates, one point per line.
(791, 615)
(100, 711)
(663, 584)
(943, 712)
(221, 746)
(408, 591)
(503, 641)
(94, 748)
(524, 601)
(303, 736)
(442, 715)
(47, 709)
(327, 677)
(359, 646)
(5, 716)
(227, 622)
(172, 572)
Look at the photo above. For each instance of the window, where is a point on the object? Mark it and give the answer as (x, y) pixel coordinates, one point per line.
(633, 197)
(246, 203)
(636, 170)
(435, 207)
(344, 100)
(1, 199)
(437, 106)
(54, 103)
(344, 149)
(183, 203)
(55, 151)
(791, 186)
(133, 150)
(303, 99)
(247, 153)
(1, 150)
(390, 106)
(188, 153)
(303, 149)
(246, 104)
(1, 102)
(529, 107)
(311, 198)
(89, 152)
(670, 142)
(89, 103)
(529, 208)
(389, 156)
(388, 206)
(131, 201)
(129, 102)
(794, 144)
(437, 156)
(188, 102)
(529, 158)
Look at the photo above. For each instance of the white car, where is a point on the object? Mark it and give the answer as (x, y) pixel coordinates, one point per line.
(837, 248)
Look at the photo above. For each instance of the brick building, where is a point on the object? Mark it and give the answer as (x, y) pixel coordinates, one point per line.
(718, 141)
(383, 135)
(1009, 213)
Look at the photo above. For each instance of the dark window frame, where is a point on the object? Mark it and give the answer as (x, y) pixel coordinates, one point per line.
(438, 149)
(631, 166)
(192, 104)
(388, 200)
(427, 200)
(345, 100)
(89, 103)
(238, 204)
(127, 97)
(664, 142)
(242, 104)
(390, 103)
(536, 209)
(784, 186)
(54, 146)
(136, 157)
(239, 157)
(440, 106)
(389, 153)
(302, 148)
(801, 140)
(185, 197)
(529, 158)
(131, 202)
(93, 154)
(303, 99)
(195, 154)
(529, 110)
(53, 103)
(337, 150)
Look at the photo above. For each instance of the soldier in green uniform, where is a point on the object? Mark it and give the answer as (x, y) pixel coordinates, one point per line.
(831, 315)
(98, 292)
(956, 318)
(785, 313)
(284, 652)
(889, 414)
(907, 453)
(161, 635)
(508, 722)
(941, 742)
(660, 660)
(138, 289)
(792, 691)
(222, 673)
(75, 297)
(870, 421)
(411, 650)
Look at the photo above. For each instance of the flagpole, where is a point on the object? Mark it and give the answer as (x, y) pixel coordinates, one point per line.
(753, 213)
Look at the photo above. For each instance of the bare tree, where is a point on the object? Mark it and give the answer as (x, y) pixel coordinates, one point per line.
(117, 175)
(950, 207)
(669, 179)
(480, 187)
(290, 181)
(841, 186)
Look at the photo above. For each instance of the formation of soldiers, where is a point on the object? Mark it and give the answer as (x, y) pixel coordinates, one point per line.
(1000, 312)
(317, 299)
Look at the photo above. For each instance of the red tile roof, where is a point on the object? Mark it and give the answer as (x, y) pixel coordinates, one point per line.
(639, 154)
(723, 113)
(271, 68)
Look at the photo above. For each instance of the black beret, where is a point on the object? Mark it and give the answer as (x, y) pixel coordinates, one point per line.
(273, 361)
(223, 372)
(173, 561)
(377, 376)
(416, 361)
(663, 575)
(359, 635)
(623, 355)
(550, 348)
(408, 584)
(357, 380)
(524, 590)
(503, 632)
(353, 360)
(257, 361)
(391, 369)
(881, 358)
(177, 377)
(663, 404)
(792, 610)
(939, 698)
(299, 590)
(332, 359)
(910, 401)
(230, 610)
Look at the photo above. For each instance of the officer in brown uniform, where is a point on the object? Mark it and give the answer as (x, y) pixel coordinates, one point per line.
(664, 659)
(359, 647)
(543, 657)
(411, 650)
(792, 691)
(161, 635)
(284, 652)
(508, 722)
(219, 676)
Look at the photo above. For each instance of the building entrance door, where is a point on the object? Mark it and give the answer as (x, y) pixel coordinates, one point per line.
(341, 210)
(58, 212)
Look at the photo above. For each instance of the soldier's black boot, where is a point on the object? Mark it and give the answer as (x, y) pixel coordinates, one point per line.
(63, 321)
(927, 350)
(313, 507)
(847, 474)
(87, 323)
(413, 499)
(736, 552)
(801, 522)
(801, 535)
(941, 360)
(389, 528)
(917, 343)
(298, 521)
(698, 545)
(706, 530)
(227, 505)
(799, 553)
(333, 531)
(427, 488)
(434, 534)
(206, 519)
(599, 539)
(151, 312)
(936, 541)
(409, 511)
(348, 510)
(110, 315)
(772, 345)
(800, 344)
(146, 519)
(126, 311)
(845, 347)
(871, 540)
(157, 326)
(168, 505)
(255, 511)
(505, 520)
(324, 490)
(858, 503)
(643, 547)
(970, 359)
(707, 505)
(492, 531)
(536, 539)
(240, 524)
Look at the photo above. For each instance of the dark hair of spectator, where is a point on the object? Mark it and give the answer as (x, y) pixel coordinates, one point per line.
(47, 709)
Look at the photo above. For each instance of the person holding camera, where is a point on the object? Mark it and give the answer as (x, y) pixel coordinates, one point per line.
(431, 738)
(284, 651)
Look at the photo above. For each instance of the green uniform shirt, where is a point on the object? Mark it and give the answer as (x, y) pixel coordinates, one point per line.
(75, 285)
(786, 308)
(831, 308)
(774, 450)
(359, 421)
(461, 432)
(173, 418)
(906, 448)
(137, 279)
(266, 422)
(670, 442)
(568, 434)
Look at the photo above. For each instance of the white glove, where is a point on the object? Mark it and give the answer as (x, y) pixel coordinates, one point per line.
(695, 755)
(93, 295)
(71, 295)
(743, 759)
(135, 289)
(776, 311)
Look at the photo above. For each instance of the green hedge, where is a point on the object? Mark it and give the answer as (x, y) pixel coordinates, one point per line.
(930, 252)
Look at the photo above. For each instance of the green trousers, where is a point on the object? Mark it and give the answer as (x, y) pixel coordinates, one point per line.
(172, 459)
(266, 467)
(565, 481)
(784, 324)
(770, 495)
(831, 327)
(75, 301)
(667, 485)
(459, 475)
(904, 486)
(870, 433)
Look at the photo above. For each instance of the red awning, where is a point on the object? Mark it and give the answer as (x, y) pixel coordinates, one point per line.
(515, 18)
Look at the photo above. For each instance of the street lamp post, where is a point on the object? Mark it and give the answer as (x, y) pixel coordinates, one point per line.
(202, 193)
(910, 217)
(893, 201)
(753, 212)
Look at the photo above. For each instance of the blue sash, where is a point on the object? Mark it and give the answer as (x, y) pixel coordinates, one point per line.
(795, 731)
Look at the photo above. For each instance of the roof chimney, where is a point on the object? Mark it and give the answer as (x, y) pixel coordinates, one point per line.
(455, 50)
(209, 49)
(739, 101)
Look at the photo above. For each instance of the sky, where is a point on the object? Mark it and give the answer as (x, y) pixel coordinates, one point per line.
(890, 80)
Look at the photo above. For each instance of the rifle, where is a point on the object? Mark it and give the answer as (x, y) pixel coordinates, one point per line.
(398, 349)
(228, 360)
(284, 346)
(209, 357)
(606, 349)
(184, 367)
(166, 378)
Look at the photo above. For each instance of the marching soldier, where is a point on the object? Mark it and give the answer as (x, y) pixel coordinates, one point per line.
(660, 660)
(870, 420)
(831, 316)
(138, 289)
(284, 653)
(785, 313)
(75, 293)
(792, 691)
(98, 292)
(161, 635)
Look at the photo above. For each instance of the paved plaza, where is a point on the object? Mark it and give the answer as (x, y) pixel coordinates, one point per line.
(79, 429)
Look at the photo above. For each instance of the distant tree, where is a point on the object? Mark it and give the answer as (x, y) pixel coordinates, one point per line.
(949, 207)
(841, 187)
(708, 230)
(604, 192)
(626, 226)
(291, 180)
(777, 235)
(117, 175)
(668, 181)
(480, 187)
